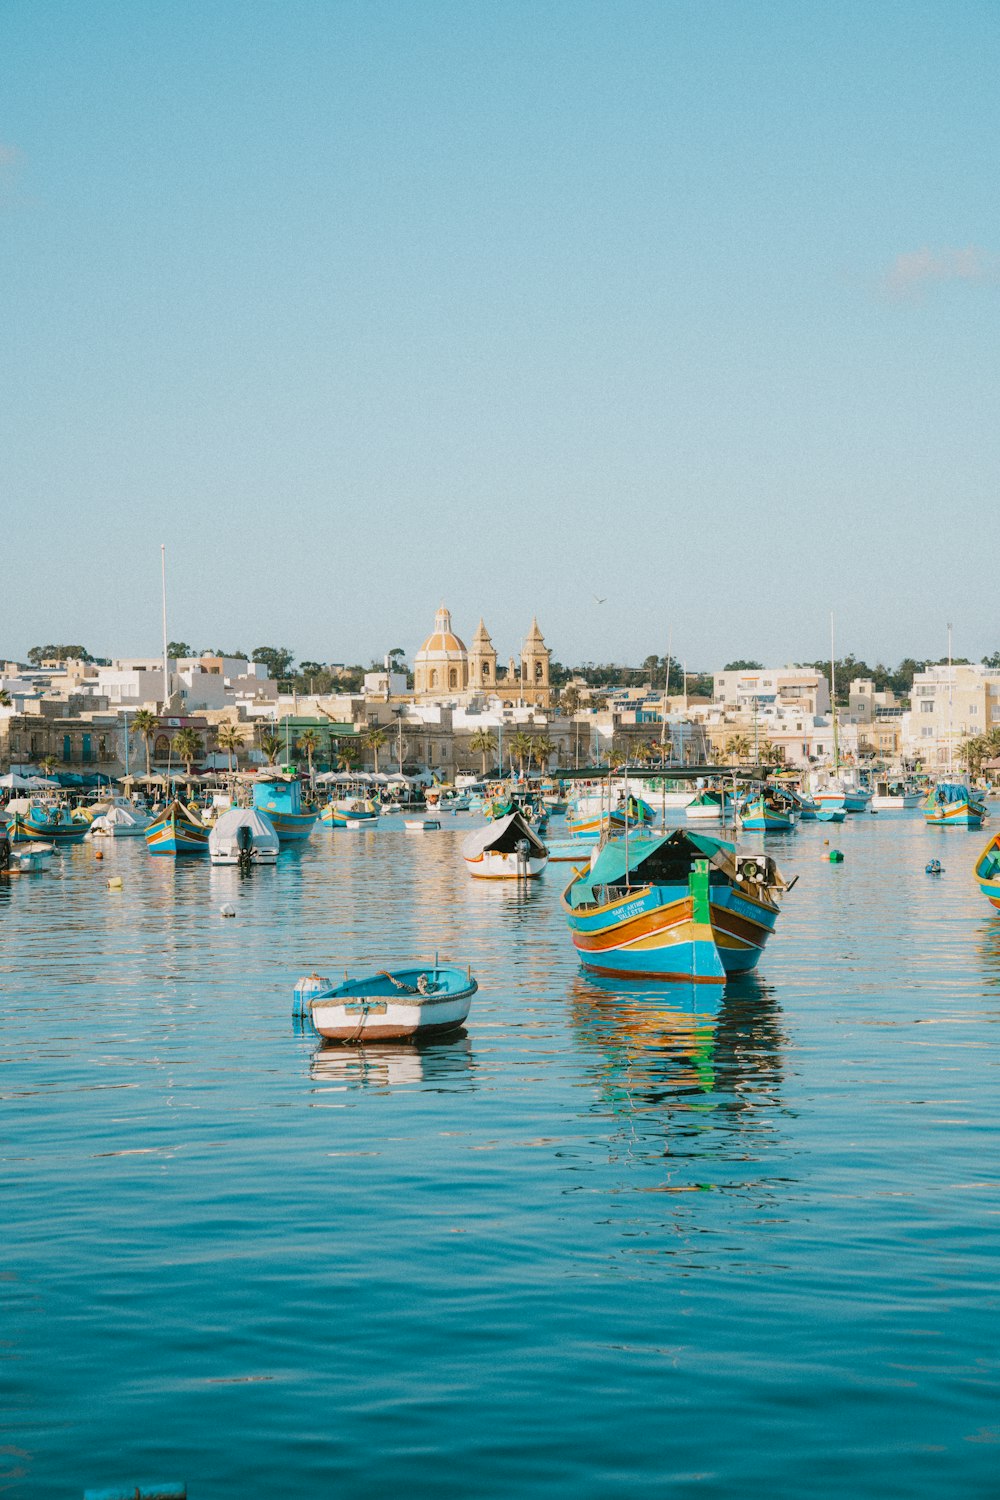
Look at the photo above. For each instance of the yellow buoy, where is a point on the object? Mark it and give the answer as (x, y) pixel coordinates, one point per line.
(115, 883)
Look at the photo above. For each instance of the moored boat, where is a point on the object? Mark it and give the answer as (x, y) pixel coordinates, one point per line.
(951, 804)
(408, 1002)
(895, 796)
(341, 811)
(506, 849)
(770, 810)
(243, 835)
(680, 906)
(55, 823)
(121, 821)
(707, 807)
(177, 830)
(988, 871)
(280, 797)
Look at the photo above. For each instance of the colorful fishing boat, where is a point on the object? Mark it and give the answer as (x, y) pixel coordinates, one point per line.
(828, 814)
(770, 810)
(707, 806)
(988, 871)
(281, 798)
(343, 810)
(413, 1002)
(586, 821)
(56, 824)
(506, 849)
(678, 907)
(841, 793)
(951, 804)
(177, 830)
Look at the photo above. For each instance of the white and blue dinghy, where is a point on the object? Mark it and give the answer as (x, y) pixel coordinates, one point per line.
(406, 1003)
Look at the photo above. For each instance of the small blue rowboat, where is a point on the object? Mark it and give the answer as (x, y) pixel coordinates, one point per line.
(55, 823)
(825, 813)
(404, 1003)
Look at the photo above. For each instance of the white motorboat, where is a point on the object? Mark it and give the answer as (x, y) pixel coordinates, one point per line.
(506, 849)
(121, 821)
(421, 825)
(243, 834)
(896, 796)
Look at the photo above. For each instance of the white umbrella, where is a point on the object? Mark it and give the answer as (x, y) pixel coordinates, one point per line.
(12, 780)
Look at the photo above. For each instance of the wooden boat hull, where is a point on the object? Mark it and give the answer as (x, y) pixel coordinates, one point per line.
(760, 818)
(492, 866)
(377, 1009)
(653, 933)
(955, 815)
(988, 871)
(176, 836)
(292, 827)
(592, 827)
(24, 830)
(339, 817)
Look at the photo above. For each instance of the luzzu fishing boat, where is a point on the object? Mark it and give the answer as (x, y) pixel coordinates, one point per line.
(177, 831)
(988, 871)
(281, 798)
(593, 824)
(951, 804)
(57, 824)
(769, 811)
(343, 810)
(707, 807)
(678, 907)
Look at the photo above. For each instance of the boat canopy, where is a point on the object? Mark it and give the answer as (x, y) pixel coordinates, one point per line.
(950, 791)
(223, 838)
(502, 837)
(125, 817)
(616, 860)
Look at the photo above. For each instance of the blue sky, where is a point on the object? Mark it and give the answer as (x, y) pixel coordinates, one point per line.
(361, 306)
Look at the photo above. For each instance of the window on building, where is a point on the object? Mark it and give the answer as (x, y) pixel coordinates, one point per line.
(486, 671)
(434, 679)
(927, 708)
(453, 678)
(926, 730)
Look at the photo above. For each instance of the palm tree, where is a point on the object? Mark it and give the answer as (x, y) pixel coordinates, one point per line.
(188, 746)
(768, 752)
(618, 756)
(738, 747)
(47, 764)
(309, 742)
(544, 750)
(347, 759)
(271, 746)
(521, 747)
(230, 739)
(5, 698)
(482, 743)
(145, 723)
(375, 738)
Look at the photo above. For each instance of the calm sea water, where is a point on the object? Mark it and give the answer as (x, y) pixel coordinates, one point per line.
(607, 1242)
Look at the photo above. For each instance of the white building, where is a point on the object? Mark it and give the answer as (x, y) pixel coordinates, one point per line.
(788, 687)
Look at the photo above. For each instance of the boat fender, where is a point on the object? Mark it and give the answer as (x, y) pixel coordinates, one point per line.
(98, 853)
(227, 911)
(836, 857)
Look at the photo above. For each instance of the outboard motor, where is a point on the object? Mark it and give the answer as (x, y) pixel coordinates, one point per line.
(522, 849)
(244, 846)
(4, 850)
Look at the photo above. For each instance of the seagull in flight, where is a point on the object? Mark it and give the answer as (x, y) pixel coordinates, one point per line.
(598, 600)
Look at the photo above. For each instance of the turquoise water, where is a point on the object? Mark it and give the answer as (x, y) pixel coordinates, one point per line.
(603, 1243)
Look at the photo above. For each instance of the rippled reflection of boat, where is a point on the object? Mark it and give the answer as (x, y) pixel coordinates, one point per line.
(436, 1063)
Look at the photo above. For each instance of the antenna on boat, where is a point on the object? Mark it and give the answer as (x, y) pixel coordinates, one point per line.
(833, 703)
(951, 695)
(166, 668)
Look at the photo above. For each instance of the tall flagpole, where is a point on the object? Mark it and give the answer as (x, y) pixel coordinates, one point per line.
(166, 668)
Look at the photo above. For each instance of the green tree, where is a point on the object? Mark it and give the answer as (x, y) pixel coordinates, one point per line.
(544, 749)
(309, 742)
(187, 743)
(178, 649)
(482, 743)
(277, 659)
(348, 757)
(146, 724)
(5, 699)
(520, 748)
(569, 699)
(375, 738)
(738, 747)
(271, 746)
(230, 739)
(38, 654)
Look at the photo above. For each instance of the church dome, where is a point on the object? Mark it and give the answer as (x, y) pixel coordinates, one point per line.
(443, 644)
(442, 663)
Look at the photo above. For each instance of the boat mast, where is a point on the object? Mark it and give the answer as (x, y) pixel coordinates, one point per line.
(833, 703)
(951, 695)
(166, 668)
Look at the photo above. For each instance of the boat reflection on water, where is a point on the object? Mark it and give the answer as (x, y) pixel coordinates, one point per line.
(437, 1065)
(674, 1060)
